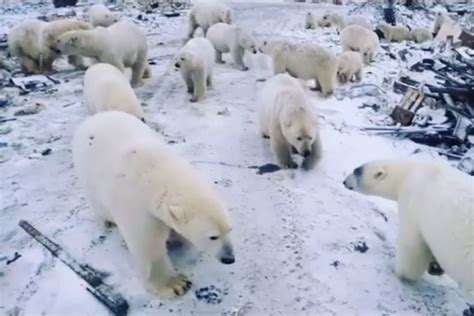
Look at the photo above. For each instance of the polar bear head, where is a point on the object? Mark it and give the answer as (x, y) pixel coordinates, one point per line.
(368, 53)
(246, 40)
(185, 60)
(380, 178)
(297, 124)
(70, 43)
(326, 19)
(107, 19)
(204, 222)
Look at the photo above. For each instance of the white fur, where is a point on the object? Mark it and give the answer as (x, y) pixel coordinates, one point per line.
(440, 19)
(107, 89)
(342, 21)
(436, 209)
(349, 67)
(309, 21)
(397, 33)
(207, 13)
(196, 62)
(131, 178)
(31, 42)
(307, 61)
(420, 35)
(359, 39)
(123, 44)
(286, 115)
(100, 15)
(231, 39)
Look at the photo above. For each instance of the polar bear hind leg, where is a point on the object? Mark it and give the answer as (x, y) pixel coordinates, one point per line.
(29, 66)
(138, 69)
(219, 59)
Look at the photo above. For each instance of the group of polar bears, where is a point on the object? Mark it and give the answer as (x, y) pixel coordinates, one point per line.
(132, 179)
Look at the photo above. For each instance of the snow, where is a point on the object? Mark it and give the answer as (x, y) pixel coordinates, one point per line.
(294, 232)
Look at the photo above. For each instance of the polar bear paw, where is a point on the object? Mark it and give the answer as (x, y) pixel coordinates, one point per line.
(174, 287)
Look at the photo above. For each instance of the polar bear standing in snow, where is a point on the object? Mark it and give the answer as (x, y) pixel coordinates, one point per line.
(107, 89)
(349, 67)
(131, 178)
(398, 33)
(309, 21)
(196, 62)
(122, 44)
(440, 19)
(359, 39)
(31, 42)
(307, 61)
(207, 13)
(100, 15)
(231, 38)
(420, 35)
(436, 209)
(342, 21)
(287, 117)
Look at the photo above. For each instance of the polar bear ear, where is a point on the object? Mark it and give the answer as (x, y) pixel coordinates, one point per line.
(178, 214)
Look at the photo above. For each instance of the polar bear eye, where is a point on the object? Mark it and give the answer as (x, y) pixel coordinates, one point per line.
(299, 138)
(182, 58)
(214, 237)
(378, 174)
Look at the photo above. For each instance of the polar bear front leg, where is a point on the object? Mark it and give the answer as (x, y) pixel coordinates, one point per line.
(199, 81)
(413, 255)
(138, 69)
(188, 80)
(29, 66)
(237, 53)
(316, 150)
(281, 149)
(326, 84)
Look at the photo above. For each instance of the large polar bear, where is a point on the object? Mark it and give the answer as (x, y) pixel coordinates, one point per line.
(287, 117)
(100, 15)
(122, 44)
(134, 180)
(342, 21)
(207, 13)
(397, 33)
(231, 38)
(107, 89)
(307, 61)
(420, 35)
(31, 42)
(436, 209)
(349, 67)
(359, 39)
(196, 61)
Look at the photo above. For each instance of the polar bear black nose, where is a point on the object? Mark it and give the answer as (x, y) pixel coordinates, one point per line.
(254, 51)
(347, 185)
(306, 153)
(228, 260)
(176, 65)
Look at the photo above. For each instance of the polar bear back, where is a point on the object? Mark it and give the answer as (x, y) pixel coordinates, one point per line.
(439, 200)
(208, 13)
(221, 35)
(106, 88)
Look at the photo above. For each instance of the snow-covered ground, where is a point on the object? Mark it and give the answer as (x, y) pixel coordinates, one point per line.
(298, 236)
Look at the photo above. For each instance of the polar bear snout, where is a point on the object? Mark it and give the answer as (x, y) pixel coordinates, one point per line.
(177, 65)
(350, 182)
(226, 255)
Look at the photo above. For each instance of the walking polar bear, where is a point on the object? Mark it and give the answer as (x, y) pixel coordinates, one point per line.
(306, 61)
(100, 15)
(195, 60)
(122, 44)
(398, 33)
(349, 67)
(436, 209)
(107, 89)
(359, 39)
(231, 38)
(287, 117)
(31, 42)
(207, 13)
(131, 178)
(342, 21)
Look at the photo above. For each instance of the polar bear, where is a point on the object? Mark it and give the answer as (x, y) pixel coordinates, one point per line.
(349, 67)
(307, 61)
(359, 39)
(286, 116)
(398, 33)
(231, 38)
(440, 19)
(31, 42)
(100, 15)
(266, 46)
(196, 61)
(341, 21)
(309, 21)
(134, 180)
(420, 35)
(107, 89)
(123, 44)
(207, 13)
(436, 209)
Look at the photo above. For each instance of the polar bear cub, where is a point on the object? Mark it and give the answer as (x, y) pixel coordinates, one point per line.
(207, 13)
(392, 33)
(349, 67)
(359, 39)
(123, 44)
(309, 21)
(107, 89)
(131, 178)
(196, 61)
(286, 116)
(436, 209)
(342, 21)
(31, 42)
(231, 38)
(307, 61)
(420, 35)
(100, 15)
